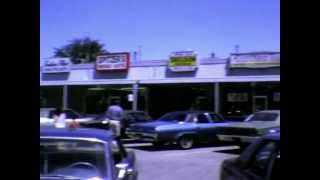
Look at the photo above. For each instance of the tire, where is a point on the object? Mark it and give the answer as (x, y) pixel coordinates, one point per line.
(186, 142)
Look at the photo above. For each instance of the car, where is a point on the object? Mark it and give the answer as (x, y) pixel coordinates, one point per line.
(46, 116)
(256, 125)
(185, 128)
(84, 154)
(274, 130)
(260, 161)
(103, 122)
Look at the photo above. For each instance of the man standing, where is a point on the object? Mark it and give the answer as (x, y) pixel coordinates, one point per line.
(115, 114)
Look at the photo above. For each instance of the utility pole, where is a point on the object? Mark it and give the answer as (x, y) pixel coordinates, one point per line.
(140, 52)
(236, 48)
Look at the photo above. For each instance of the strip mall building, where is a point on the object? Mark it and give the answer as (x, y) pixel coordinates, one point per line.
(240, 84)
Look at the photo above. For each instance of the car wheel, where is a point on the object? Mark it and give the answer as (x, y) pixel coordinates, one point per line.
(186, 142)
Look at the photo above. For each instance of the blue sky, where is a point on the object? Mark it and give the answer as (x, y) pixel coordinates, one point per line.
(162, 26)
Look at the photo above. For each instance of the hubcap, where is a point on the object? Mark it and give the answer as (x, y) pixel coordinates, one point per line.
(186, 143)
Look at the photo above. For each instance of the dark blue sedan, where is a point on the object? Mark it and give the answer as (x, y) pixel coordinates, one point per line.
(184, 128)
(84, 154)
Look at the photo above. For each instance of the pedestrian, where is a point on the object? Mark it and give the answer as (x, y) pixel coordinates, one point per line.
(74, 124)
(115, 114)
(115, 111)
(59, 118)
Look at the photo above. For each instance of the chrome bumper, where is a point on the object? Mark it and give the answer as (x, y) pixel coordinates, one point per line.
(236, 138)
(150, 137)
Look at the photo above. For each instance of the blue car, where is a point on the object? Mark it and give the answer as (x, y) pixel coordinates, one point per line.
(84, 154)
(185, 128)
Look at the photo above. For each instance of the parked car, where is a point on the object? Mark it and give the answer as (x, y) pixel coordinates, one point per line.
(103, 122)
(80, 154)
(184, 128)
(260, 161)
(46, 116)
(274, 130)
(256, 125)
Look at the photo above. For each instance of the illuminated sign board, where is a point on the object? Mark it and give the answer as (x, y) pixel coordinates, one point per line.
(258, 60)
(56, 65)
(113, 61)
(183, 61)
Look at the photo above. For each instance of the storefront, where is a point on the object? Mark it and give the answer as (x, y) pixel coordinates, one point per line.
(238, 85)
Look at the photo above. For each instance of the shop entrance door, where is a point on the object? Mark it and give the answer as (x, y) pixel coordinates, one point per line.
(260, 103)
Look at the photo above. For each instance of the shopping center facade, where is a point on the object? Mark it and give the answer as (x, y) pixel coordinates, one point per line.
(239, 84)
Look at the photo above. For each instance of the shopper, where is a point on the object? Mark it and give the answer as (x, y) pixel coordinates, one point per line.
(59, 118)
(115, 111)
(115, 114)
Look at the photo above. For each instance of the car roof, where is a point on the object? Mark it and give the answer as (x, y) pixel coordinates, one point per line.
(196, 111)
(272, 136)
(270, 111)
(131, 111)
(102, 135)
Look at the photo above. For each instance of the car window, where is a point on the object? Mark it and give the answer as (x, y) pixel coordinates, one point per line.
(101, 117)
(51, 113)
(261, 161)
(202, 119)
(215, 118)
(173, 117)
(44, 113)
(263, 117)
(138, 117)
(59, 155)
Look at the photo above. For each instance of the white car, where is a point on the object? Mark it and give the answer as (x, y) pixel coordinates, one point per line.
(47, 113)
(254, 126)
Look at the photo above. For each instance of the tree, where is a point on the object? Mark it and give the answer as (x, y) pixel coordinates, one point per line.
(80, 50)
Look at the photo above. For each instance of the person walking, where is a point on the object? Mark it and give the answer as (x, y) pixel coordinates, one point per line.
(115, 113)
(59, 118)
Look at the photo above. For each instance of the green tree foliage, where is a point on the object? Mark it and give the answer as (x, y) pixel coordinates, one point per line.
(79, 51)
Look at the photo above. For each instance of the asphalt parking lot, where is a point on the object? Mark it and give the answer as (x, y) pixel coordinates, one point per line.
(170, 163)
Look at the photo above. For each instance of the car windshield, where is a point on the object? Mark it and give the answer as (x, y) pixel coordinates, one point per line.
(263, 117)
(68, 157)
(44, 113)
(173, 117)
(138, 117)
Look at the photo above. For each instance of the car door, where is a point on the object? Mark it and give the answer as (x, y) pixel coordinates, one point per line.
(260, 165)
(205, 127)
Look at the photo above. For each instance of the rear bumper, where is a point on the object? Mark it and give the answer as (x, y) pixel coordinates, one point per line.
(237, 138)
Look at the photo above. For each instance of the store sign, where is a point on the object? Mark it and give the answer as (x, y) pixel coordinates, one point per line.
(255, 60)
(113, 61)
(56, 65)
(237, 97)
(183, 61)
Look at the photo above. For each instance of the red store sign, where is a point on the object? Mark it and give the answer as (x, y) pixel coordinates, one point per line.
(113, 61)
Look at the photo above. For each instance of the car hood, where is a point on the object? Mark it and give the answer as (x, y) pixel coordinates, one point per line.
(253, 124)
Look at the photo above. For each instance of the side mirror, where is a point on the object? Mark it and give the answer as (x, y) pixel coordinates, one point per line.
(123, 170)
